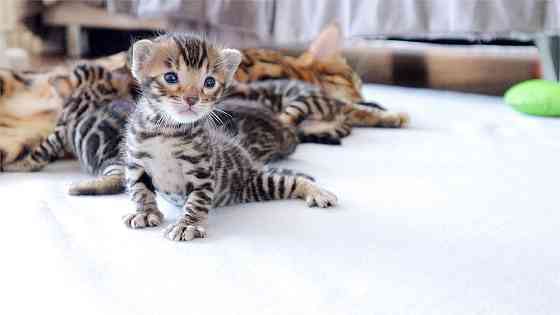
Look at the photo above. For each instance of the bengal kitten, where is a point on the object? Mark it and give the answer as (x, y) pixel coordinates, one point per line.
(171, 148)
(88, 127)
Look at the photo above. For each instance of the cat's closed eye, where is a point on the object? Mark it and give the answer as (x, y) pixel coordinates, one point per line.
(170, 77)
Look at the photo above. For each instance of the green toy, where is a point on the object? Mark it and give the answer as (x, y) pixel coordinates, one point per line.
(535, 97)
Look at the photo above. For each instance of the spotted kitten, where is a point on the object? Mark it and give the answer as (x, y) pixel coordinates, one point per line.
(88, 127)
(171, 148)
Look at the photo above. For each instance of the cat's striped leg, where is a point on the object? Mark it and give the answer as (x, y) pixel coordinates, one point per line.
(110, 182)
(312, 105)
(296, 110)
(143, 194)
(371, 115)
(194, 221)
(324, 132)
(47, 151)
(275, 184)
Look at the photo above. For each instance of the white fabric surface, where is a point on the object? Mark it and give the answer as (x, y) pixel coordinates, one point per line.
(456, 215)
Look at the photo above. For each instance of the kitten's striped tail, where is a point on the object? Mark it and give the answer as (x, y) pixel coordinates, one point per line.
(111, 181)
(275, 184)
(103, 185)
(369, 114)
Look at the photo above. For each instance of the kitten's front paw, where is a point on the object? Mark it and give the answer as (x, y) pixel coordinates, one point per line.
(322, 198)
(140, 220)
(184, 231)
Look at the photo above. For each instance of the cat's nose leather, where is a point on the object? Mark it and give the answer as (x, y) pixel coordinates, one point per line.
(191, 100)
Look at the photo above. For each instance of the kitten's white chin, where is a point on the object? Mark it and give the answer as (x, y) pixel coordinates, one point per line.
(186, 117)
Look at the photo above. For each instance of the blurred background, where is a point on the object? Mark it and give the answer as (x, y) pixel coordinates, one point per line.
(465, 45)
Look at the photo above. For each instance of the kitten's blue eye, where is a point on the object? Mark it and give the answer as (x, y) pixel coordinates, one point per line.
(170, 77)
(209, 82)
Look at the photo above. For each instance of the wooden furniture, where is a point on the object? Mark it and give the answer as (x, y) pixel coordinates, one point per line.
(75, 15)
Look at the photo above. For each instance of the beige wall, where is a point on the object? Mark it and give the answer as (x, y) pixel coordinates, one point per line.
(12, 33)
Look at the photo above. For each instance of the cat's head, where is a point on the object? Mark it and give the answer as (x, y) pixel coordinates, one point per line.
(324, 58)
(25, 93)
(93, 81)
(182, 76)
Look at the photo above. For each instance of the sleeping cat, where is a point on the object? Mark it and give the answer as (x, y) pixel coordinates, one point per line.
(324, 66)
(28, 109)
(171, 149)
(88, 127)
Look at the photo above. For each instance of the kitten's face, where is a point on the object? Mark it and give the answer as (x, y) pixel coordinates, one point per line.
(182, 76)
(94, 82)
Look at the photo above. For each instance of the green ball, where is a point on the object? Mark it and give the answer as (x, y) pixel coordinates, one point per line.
(535, 97)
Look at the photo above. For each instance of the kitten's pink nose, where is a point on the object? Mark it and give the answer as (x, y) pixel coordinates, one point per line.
(191, 100)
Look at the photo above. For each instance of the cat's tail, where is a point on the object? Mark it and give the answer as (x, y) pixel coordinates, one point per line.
(103, 185)
(275, 183)
(369, 114)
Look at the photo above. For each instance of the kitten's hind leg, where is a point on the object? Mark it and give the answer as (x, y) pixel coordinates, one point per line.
(275, 184)
(109, 183)
(375, 116)
(324, 132)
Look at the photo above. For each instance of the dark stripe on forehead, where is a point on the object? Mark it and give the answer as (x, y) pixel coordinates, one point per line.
(181, 48)
(203, 55)
(193, 50)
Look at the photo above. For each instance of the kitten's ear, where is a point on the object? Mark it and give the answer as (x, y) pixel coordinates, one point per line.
(232, 59)
(61, 85)
(327, 44)
(139, 55)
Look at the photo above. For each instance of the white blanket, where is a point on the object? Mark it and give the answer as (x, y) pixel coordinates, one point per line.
(459, 214)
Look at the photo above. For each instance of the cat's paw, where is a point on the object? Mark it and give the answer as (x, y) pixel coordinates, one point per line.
(144, 219)
(396, 120)
(185, 231)
(322, 198)
(404, 120)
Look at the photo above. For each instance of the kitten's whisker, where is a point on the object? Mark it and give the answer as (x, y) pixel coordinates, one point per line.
(223, 112)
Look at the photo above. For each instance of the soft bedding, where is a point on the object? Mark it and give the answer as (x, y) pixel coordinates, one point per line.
(456, 215)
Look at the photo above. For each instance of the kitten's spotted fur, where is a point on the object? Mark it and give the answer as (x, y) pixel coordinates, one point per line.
(172, 150)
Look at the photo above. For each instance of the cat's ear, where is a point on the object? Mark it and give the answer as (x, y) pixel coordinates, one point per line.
(62, 85)
(328, 44)
(231, 59)
(139, 56)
